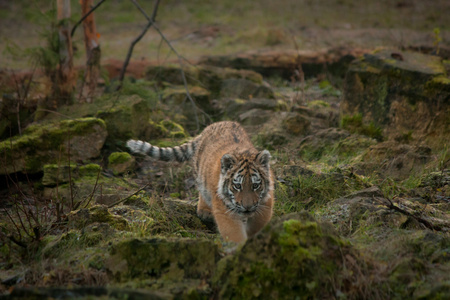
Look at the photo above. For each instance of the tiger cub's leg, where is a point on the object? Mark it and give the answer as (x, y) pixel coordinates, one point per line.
(256, 223)
(203, 210)
(230, 227)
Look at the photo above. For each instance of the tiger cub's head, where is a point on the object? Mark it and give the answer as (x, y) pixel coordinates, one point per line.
(245, 181)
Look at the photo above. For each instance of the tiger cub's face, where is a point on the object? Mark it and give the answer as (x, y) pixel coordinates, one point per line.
(245, 182)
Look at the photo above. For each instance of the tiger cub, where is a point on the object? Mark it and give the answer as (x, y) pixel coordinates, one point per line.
(234, 180)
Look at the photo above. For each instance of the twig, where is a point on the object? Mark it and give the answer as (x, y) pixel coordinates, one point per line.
(70, 173)
(19, 243)
(151, 21)
(85, 16)
(419, 219)
(93, 190)
(126, 198)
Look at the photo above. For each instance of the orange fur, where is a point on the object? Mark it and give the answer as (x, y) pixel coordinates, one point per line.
(234, 179)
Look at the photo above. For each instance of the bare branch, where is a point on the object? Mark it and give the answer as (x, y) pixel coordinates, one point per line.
(85, 16)
(425, 222)
(151, 21)
(180, 58)
(126, 198)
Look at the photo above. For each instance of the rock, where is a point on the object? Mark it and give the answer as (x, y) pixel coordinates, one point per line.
(255, 116)
(213, 77)
(96, 214)
(347, 212)
(395, 160)
(121, 162)
(181, 109)
(170, 259)
(89, 170)
(405, 93)
(87, 292)
(46, 144)
(296, 124)
(333, 142)
(209, 77)
(231, 108)
(61, 174)
(284, 62)
(294, 256)
(184, 213)
(126, 118)
(279, 127)
(54, 174)
(135, 217)
(244, 89)
(11, 117)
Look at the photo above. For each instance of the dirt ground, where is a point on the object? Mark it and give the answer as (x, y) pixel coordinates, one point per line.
(197, 28)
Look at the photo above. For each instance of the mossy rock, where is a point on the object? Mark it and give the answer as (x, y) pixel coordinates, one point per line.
(121, 162)
(209, 77)
(394, 159)
(231, 108)
(45, 144)
(244, 89)
(90, 186)
(95, 214)
(255, 116)
(294, 256)
(180, 109)
(296, 124)
(170, 259)
(89, 170)
(55, 174)
(127, 118)
(399, 91)
(125, 113)
(332, 144)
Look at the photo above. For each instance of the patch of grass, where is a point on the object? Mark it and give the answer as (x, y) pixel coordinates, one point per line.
(312, 192)
(329, 90)
(355, 124)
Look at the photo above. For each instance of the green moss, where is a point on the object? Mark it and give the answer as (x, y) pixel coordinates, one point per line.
(171, 259)
(293, 256)
(355, 124)
(42, 143)
(174, 129)
(318, 103)
(119, 158)
(95, 214)
(89, 170)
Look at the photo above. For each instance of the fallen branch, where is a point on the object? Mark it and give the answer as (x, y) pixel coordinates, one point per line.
(128, 197)
(421, 220)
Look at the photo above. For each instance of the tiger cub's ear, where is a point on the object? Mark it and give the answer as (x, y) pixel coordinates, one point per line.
(263, 158)
(227, 163)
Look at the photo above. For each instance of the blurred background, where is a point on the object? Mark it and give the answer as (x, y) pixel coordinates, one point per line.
(201, 27)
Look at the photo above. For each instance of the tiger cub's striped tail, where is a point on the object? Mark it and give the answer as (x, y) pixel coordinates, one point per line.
(177, 153)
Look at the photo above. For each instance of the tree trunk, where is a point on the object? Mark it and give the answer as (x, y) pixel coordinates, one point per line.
(93, 53)
(66, 76)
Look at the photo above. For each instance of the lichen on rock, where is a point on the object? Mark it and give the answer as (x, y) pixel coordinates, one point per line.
(294, 256)
(95, 214)
(173, 259)
(46, 144)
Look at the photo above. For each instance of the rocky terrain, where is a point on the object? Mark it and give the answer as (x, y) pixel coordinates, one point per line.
(359, 138)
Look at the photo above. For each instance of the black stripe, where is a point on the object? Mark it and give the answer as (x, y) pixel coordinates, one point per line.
(163, 154)
(178, 155)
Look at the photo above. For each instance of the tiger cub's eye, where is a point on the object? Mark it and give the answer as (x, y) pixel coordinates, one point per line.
(237, 187)
(256, 186)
